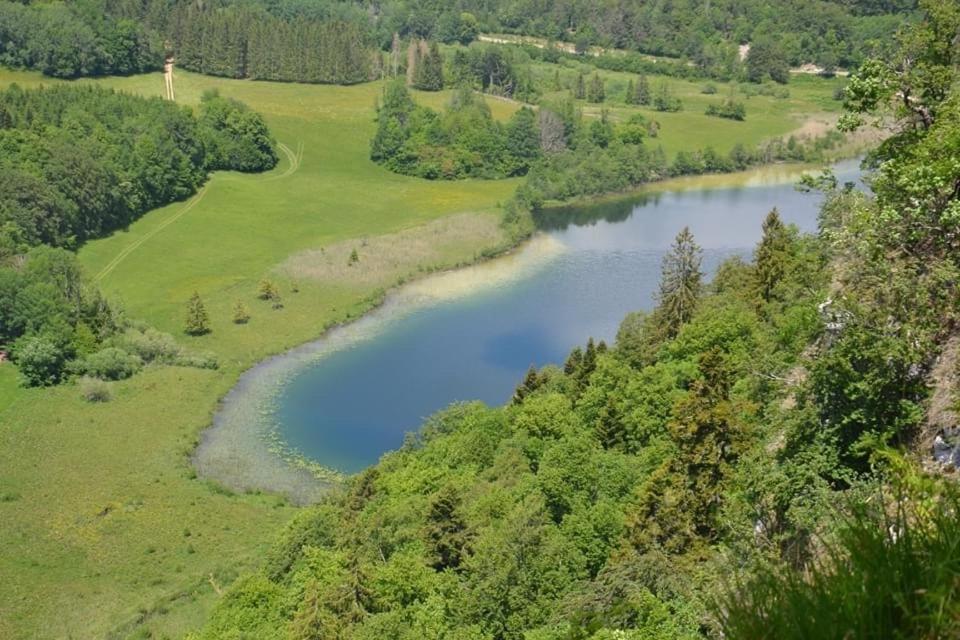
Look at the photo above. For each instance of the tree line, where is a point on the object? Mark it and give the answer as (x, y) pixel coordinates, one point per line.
(337, 42)
(68, 40)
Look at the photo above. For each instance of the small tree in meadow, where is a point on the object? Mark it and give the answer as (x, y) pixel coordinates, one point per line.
(597, 92)
(198, 322)
(641, 91)
(266, 290)
(240, 313)
(580, 92)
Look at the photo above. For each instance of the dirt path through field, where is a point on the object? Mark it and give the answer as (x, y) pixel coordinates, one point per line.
(168, 80)
(135, 245)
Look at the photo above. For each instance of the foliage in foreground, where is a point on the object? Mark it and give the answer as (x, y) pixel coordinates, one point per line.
(884, 575)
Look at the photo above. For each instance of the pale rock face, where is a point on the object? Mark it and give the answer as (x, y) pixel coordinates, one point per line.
(946, 448)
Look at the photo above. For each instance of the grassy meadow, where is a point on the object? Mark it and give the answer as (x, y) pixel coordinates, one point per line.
(106, 531)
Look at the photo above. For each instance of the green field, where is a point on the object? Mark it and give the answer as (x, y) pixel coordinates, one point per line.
(105, 530)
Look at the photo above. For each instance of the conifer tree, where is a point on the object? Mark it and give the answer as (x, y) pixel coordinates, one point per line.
(641, 92)
(531, 382)
(266, 290)
(574, 361)
(609, 428)
(240, 313)
(428, 75)
(703, 432)
(680, 282)
(198, 322)
(771, 255)
(630, 97)
(580, 92)
(446, 529)
(597, 92)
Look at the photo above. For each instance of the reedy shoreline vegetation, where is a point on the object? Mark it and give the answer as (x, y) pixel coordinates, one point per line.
(165, 543)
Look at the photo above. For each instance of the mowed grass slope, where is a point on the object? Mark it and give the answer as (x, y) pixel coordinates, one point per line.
(105, 531)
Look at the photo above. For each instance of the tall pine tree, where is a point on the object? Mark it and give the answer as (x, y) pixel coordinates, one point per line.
(680, 282)
(771, 255)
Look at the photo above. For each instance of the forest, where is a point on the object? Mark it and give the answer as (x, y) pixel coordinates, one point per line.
(742, 459)
(330, 41)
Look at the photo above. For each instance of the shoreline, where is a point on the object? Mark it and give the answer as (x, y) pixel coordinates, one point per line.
(242, 449)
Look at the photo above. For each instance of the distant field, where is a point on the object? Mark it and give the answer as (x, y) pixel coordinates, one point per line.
(767, 117)
(105, 531)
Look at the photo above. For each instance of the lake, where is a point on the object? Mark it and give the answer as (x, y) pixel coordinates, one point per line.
(347, 405)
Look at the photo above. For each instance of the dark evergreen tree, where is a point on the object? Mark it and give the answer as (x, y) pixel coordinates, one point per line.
(771, 255)
(446, 530)
(574, 362)
(680, 282)
(531, 382)
(580, 91)
(641, 92)
(596, 93)
(609, 428)
(706, 440)
(429, 71)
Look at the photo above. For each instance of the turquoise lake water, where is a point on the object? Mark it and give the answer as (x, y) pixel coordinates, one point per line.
(354, 404)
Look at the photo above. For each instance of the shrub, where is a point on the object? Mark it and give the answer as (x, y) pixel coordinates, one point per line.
(729, 109)
(151, 345)
(709, 90)
(94, 389)
(198, 361)
(111, 363)
(40, 360)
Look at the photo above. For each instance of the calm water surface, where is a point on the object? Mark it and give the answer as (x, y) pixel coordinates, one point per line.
(348, 408)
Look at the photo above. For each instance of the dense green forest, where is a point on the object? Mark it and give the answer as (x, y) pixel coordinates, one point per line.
(77, 163)
(741, 463)
(334, 41)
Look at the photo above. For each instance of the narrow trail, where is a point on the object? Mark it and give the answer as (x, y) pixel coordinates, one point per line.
(110, 266)
(168, 80)
(295, 158)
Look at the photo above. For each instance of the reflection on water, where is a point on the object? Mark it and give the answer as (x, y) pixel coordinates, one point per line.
(347, 408)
